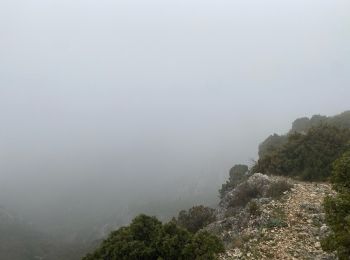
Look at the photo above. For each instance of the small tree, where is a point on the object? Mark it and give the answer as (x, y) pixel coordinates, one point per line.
(196, 218)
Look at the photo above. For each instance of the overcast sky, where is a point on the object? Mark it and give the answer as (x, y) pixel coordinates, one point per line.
(98, 93)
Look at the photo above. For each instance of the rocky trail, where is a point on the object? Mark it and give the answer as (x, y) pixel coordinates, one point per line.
(290, 227)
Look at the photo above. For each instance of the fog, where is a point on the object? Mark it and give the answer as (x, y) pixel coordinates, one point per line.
(107, 106)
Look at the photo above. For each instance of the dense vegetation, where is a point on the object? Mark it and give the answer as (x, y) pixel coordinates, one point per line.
(302, 126)
(309, 155)
(338, 209)
(148, 239)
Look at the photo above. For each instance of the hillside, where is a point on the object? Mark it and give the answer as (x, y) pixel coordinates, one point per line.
(284, 214)
(290, 227)
(297, 208)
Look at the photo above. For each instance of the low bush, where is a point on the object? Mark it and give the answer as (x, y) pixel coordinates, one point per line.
(196, 218)
(277, 188)
(244, 193)
(277, 219)
(276, 222)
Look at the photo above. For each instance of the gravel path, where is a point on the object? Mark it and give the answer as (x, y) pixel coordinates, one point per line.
(299, 237)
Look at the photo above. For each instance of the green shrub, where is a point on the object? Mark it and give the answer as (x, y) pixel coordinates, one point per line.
(147, 238)
(196, 218)
(337, 209)
(203, 246)
(341, 173)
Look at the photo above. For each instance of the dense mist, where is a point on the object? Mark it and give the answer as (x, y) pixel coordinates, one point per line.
(112, 108)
